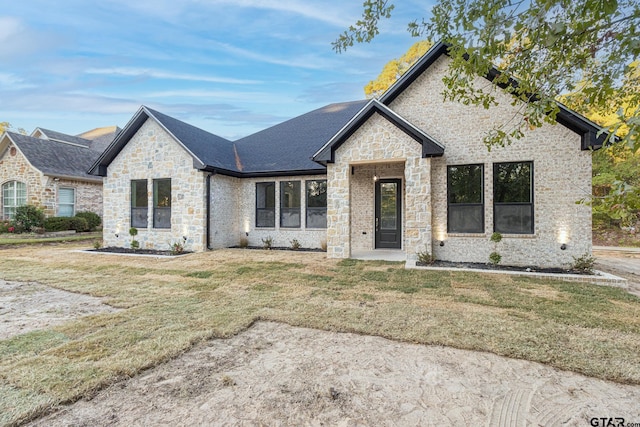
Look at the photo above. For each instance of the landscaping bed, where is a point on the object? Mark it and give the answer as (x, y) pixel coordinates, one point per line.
(499, 267)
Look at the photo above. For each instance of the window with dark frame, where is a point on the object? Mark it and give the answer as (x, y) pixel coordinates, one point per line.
(139, 204)
(265, 204)
(465, 201)
(316, 203)
(513, 198)
(290, 193)
(162, 203)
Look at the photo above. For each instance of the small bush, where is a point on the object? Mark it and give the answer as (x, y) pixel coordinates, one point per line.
(135, 245)
(93, 219)
(495, 258)
(424, 257)
(4, 226)
(323, 245)
(29, 217)
(267, 242)
(295, 244)
(244, 242)
(177, 247)
(133, 231)
(496, 237)
(584, 264)
(97, 244)
(63, 223)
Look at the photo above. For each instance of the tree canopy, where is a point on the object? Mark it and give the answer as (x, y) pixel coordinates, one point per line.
(4, 126)
(549, 47)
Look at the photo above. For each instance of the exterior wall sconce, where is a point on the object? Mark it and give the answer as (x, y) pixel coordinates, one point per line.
(246, 233)
(375, 177)
(117, 235)
(184, 238)
(441, 242)
(563, 246)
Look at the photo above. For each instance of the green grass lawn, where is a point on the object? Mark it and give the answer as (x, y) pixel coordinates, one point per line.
(170, 304)
(8, 239)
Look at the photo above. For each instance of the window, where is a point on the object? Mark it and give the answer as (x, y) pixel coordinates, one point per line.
(265, 204)
(465, 204)
(316, 203)
(513, 197)
(139, 204)
(14, 194)
(66, 201)
(290, 193)
(162, 203)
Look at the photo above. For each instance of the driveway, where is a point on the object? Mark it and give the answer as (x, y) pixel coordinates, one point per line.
(623, 262)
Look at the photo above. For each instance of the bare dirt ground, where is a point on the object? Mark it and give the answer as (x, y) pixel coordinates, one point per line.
(621, 263)
(26, 307)
(275, 374)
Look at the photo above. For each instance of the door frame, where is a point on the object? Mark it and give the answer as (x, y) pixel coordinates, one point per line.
(377, 243)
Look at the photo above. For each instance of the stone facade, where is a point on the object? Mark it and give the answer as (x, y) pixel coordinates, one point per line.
(42, 190)
(153, 154)
(562, 176)
(377, 147)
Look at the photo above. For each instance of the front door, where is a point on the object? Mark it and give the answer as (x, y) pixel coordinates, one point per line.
(388, 214)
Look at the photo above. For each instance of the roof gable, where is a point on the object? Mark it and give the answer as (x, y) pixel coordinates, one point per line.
(430, 147)
(591, 134)
(60, 137)
(205, 148)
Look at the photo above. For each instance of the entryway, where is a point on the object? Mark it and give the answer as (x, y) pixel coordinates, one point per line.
(388, 214)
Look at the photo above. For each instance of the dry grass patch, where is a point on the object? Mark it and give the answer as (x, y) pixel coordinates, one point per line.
(170, 304)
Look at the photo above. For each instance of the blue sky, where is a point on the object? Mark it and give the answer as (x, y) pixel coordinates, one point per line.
(231, 67)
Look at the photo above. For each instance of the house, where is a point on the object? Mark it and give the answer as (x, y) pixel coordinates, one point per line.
(49, 169)
(407, 172)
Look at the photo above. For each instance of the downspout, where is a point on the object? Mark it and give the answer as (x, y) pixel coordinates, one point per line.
(208, 224)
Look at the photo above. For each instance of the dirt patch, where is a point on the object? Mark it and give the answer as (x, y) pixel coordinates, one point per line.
(26, 307)
(275, 374)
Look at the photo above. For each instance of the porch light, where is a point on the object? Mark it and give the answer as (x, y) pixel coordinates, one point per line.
(441, 242)
(184, 238)
(375, 177)
(563, 246)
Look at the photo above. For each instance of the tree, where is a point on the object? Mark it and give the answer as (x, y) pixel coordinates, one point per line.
(548, 46)
(4, 126)
(396, 68)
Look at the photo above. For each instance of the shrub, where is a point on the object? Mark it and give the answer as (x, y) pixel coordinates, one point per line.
(177, 247)
(133, 232)
(424, 257)
(244, 242)
(97, 244)
(93, 219)
(323, 245)
(63, 223)
(495, 258)
(267, 242)
(583, 264)
(4, 226)
(29, 217)
(295, 244)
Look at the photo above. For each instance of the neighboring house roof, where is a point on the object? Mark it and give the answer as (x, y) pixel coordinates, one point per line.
(100, 138)
(430, 147)
(54, 158)
(287, 148)
(591, 133)
(60, 137)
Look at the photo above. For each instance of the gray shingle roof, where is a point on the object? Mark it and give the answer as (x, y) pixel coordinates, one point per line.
(59, 136)
(289, 146)
(56, 158)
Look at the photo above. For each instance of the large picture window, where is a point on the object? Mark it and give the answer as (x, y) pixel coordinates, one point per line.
(139, 203)
(513, 197)
(265, 204)
(465, 202)
(316, 203)
(162, 203)
(14, 194)
(66, 201)
(290, 193)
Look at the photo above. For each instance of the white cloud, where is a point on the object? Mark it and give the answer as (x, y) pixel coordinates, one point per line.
(158, 74)
(12, 82)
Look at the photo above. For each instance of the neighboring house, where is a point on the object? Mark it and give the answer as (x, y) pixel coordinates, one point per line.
(407, 172)
(49, 169)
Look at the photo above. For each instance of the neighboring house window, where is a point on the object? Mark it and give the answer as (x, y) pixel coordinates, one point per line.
(265, 204)
(162, 203)
(513, 197)
(290, 193)
(14, 194)
(465, 204)
(316, 203)
(66, 201)
(139, 203)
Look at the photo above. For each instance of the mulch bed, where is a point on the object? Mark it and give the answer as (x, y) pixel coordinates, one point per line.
(279, 248)
(115, 250)
(485, 266)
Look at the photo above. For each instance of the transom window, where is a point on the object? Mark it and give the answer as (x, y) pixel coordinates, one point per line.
(465, 202)
(513, 197)
(14, 194)
(316, 203)
(66, 201)
(139, 204)
(290, 192)
(162, 203)
(265, 204)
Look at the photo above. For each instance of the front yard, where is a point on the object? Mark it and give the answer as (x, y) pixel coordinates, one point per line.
(168, 305)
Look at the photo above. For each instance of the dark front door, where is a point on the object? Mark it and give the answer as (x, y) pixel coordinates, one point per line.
(388, 214)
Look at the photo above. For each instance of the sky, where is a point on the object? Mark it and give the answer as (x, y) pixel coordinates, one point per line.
(231, 67)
